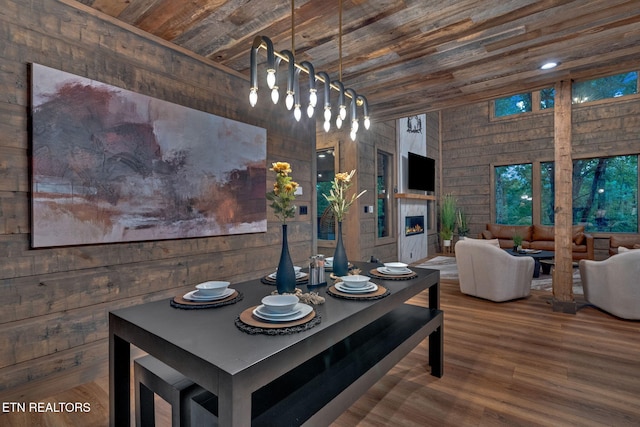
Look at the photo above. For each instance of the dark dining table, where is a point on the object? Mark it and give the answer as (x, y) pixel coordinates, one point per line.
(290, 379)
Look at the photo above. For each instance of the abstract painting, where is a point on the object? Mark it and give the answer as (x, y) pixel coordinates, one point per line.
(111, 165)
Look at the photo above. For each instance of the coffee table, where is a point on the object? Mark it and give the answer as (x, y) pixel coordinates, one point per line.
(537, 256)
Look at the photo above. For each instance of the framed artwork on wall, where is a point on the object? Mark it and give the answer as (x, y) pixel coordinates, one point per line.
(111, 165)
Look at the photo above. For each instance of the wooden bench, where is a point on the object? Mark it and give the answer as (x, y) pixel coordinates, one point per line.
(154, 377)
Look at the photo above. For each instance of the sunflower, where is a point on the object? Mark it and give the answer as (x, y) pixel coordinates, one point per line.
(283, 194)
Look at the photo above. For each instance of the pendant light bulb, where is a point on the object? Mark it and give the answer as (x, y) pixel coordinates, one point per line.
(271, 78)
(253, 96)
(313, 98)
(275, 95)
(352, 135)
(297, 113)
(289, 100)
(310, 111)
(354, 126)
(343, 112)
(367, 122)
(327, 113)
(327, 125)
(338, 122)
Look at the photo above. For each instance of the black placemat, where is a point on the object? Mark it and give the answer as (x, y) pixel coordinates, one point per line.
(253, 326)
(180, 302)
(382, 292)
(405, 276)
(299, 281)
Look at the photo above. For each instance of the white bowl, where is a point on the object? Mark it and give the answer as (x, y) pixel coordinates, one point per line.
(280, 303)
(355, 280)
(212, 288)
(396, 266)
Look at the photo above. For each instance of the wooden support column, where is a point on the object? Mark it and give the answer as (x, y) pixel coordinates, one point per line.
(563, 299)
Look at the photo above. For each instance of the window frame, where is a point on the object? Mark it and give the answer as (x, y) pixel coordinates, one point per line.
(388, 196)
(537, 191)
(336, 162)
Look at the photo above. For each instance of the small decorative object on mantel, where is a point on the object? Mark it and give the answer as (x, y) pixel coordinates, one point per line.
(340, 205)
(282, 197)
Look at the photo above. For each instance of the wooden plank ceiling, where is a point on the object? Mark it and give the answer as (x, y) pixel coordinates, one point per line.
(408, 56)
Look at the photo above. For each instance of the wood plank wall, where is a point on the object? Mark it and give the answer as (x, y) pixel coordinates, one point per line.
(472, 143)
(53, 320)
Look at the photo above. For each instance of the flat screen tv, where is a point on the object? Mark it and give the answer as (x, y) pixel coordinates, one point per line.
(421, 172)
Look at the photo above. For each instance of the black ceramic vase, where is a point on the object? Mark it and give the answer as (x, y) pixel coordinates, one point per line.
(340, 261)
(286, 275)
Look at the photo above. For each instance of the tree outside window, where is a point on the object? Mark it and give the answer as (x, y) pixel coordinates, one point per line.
(605, 87)
(513, 194)
(605, 193)
(520, 103)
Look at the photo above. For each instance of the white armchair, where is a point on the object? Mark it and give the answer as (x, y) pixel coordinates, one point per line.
(488, 272)
(613, 284)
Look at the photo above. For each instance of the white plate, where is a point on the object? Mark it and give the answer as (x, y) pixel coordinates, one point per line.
(385, 270)
(298, 276)
(193, 296)
(264, 312)
(299, 311)
(370, 287)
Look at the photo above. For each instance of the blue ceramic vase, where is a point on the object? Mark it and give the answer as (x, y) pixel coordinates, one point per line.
(340, 261)
(286, 275)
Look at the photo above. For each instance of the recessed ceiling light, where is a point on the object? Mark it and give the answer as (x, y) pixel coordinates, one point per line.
(549, 65)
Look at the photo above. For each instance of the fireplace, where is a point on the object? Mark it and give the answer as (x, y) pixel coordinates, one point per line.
(413, 225)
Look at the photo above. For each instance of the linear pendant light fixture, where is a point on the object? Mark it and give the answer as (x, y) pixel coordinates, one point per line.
(292, 100)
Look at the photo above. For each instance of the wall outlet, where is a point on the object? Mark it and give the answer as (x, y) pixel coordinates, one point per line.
(298, 191)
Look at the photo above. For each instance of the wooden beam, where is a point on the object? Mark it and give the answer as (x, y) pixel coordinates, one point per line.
(563, 299)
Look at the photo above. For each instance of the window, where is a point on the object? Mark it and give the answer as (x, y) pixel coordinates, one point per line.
(605, 87)
(584, 91)
(605, 193)
(384, 184)
(547, 98)
(513, 194)
(524, 103)
(326, 172)
(515, 104)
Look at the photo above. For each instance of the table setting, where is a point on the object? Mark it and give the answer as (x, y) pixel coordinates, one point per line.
(302, 278)
(278, 315)
(356, 287)
(209, 294)
(393, 271)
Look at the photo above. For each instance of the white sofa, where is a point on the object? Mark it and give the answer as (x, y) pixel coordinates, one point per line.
(488, 272)
(613, 285)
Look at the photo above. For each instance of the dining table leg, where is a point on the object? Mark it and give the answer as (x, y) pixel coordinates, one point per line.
(234, 403)
(119, 380)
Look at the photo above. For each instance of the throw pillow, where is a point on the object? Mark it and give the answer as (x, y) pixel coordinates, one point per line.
(486, 234)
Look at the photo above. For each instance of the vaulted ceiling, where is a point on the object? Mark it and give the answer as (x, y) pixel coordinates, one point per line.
(408, 56)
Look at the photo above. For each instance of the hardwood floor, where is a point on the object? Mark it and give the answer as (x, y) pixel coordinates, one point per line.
(514, 363)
